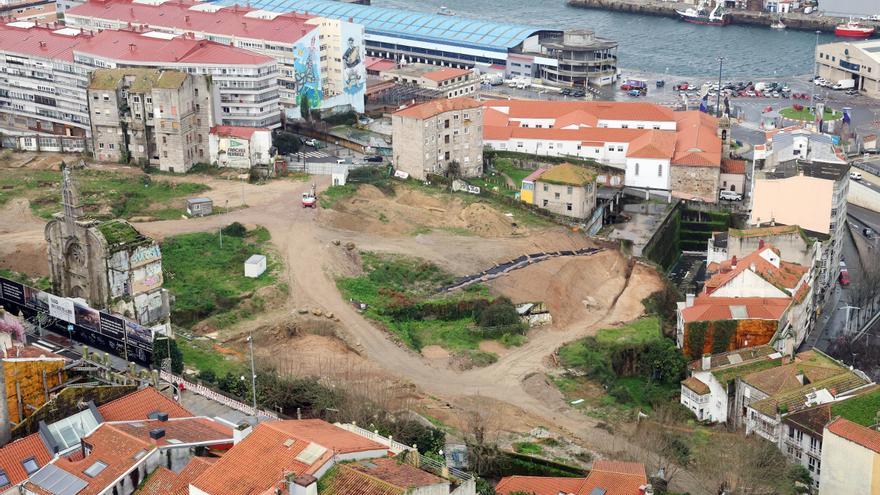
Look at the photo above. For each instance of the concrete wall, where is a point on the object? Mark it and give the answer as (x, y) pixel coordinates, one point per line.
(842, 458)
(749, 284)
(647, 173)
(861, 195)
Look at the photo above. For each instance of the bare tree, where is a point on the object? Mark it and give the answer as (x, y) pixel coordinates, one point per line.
(735, 464)
(481, 432)
(663, 450)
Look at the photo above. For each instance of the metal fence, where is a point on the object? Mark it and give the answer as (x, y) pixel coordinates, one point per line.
(217, 397)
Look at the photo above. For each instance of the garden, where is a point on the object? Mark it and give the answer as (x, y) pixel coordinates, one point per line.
(800, 112)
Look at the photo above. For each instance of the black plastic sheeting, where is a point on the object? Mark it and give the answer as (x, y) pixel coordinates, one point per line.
(514, 264)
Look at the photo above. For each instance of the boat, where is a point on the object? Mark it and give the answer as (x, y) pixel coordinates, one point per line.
(702, 15)
(853, 29)
(443, 10)
(778, 25)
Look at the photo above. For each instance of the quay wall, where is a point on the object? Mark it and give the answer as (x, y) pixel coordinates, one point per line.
(794, 20)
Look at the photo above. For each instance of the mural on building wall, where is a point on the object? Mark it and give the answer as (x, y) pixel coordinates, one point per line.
(234, 152)
(145, 254)
(307, 72)
(353, 58)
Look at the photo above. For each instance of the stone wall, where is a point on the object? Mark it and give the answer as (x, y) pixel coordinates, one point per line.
(700, 182)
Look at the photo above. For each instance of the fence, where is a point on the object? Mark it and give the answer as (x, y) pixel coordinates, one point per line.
(393, 446)
(325, 168)
(217, 397)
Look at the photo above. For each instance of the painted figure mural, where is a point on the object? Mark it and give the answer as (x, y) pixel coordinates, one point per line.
(307, 73)
(353, 59)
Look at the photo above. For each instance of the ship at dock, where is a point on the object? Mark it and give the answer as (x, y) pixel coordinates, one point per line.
(702, 15)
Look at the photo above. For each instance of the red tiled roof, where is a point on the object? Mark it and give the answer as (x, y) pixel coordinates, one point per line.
(785, 277)
(166, 482)
(379, 64)
(708, 308)
(652, 144)
(12, 455)
(345, 481)
(269, 453)
(854, 432)
(599, 135)
(615, 477)
(395, 472)
(532, 177)
(124, 46)
(599, 110)
(112, 447)
(697, 142)
(229, 21)
(737, 167)
(184, 430)
(236, 131)
(436, 107)
(140, 404)
(445, 74)
(31, 352)
(538, 485)
(696, 385)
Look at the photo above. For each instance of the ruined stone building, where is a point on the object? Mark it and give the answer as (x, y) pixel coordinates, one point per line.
(106, 262)
(151, 116)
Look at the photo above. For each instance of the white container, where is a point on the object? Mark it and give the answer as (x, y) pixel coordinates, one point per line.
(255, 266)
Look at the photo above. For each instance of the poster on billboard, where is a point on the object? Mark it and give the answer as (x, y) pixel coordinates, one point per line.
(61, 308)
(36, 299)
(112, 326)
(234, 152)
(86, 317)
(138, 335)
(12, 291)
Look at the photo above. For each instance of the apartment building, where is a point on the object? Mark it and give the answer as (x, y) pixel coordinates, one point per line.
(151, 116)
(47, 69)
(319, 59)
(449, 81)
(29, 10)
(805, 182)
(429, 137)
(851, 454)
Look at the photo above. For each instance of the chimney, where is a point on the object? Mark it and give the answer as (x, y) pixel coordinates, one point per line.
(131, 47)
(733, 262)
(761, 244)
(753, 267)
(689, 300)
(706, 362)
(303, 485)
(241, 431)
(157, 433)
(186, 18)
(162, 416)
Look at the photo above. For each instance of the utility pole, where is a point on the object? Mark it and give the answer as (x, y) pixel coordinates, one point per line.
(718, 95)
(253, 374)
(220, 231)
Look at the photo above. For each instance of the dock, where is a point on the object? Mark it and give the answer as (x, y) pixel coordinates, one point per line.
(794, 20)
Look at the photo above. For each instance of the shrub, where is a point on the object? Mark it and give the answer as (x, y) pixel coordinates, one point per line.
(234, 229)
(207, 376)
(500, 312)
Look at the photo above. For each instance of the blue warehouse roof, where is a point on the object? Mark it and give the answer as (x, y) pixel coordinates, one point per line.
(409, 25)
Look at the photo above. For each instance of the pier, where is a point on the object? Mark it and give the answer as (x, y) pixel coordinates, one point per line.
(794, 20)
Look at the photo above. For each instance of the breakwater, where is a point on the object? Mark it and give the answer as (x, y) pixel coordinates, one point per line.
(794, 20)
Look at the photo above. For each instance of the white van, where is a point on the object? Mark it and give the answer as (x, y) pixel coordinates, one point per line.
(731, 196)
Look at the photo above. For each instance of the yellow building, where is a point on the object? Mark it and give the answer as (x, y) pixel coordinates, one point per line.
(31, 374)
(850, 461)
(527, 190)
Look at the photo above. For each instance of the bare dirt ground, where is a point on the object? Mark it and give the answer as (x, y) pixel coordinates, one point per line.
(587, 294)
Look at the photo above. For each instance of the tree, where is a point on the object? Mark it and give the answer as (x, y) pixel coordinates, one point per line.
(748, 465)
(305, 106)
(667, 363)
(453, 170)
(483, 453)
(286, 142)
(160, 352)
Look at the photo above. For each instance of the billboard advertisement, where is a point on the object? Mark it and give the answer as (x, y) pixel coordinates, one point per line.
(61, 308)
(81, 322)
(234, 152)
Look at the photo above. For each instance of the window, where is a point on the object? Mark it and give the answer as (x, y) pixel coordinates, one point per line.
(555, 195)
(568, 206)
(620, 148)
(624, 126)
(544, 204)
(815, 464)
(637, 169)
(568, 189)
(111, 146)
(660, 170)
(164, 140)
(4, 480)
(546, 188)
(101, 145)
(815, 444)
(30, 465)
(95, 469)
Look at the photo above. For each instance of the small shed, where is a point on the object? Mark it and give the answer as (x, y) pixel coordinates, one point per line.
(199, 207)
(339, 175)
(255, 266)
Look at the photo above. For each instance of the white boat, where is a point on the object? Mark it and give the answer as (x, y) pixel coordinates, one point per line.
(443, 10)
(778, 25)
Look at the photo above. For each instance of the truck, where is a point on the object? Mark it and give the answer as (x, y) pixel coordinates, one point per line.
(494, 79)
(844, 84)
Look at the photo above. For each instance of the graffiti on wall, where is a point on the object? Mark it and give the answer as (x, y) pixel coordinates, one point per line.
(144, 254)
(307, 72)
(146, 277)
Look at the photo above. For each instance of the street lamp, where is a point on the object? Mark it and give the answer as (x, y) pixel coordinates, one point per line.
(250, 340)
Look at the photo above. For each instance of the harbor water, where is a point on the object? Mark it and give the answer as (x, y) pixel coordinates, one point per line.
(656, 45)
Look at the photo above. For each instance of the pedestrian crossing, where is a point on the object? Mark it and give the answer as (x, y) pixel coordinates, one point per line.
(316, 154)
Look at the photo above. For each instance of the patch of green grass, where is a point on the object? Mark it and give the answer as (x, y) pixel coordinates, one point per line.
(806, 114)
(505, 166)
(201, 356)
(336, 193)
(207, 279)
(637, 332)
(512, 340)
(528, 448)
(42, 283)
(862, 409)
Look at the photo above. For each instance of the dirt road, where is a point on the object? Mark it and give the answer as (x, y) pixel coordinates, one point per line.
(306, 248)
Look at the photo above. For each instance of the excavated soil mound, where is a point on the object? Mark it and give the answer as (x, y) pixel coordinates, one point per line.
(575, 289)
(410, 211)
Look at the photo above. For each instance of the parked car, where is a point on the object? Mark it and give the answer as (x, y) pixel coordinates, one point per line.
(852, 92)
(731, 195)
(311, 142)
(843, 278)
(373, 158)
(855, 175)
(566, 91)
